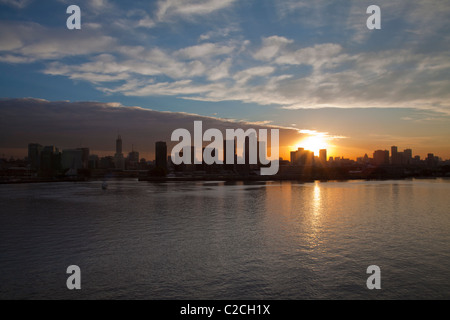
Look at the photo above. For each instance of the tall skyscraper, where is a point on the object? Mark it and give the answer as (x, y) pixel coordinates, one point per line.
(50, 161)
(34, 155)
(300, 157)
(84, 157)
(293, 157)
(133, 156)
(323, 156)
(303, 157)
(407, 155)
(132, 160)
(396, 157)
(161, 155)
(119, 159)
(394, 150)
(119, 145)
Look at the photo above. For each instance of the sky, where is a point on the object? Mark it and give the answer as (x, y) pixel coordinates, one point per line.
(310, 68)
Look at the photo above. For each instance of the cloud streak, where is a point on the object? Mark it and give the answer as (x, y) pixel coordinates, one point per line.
(95, 125)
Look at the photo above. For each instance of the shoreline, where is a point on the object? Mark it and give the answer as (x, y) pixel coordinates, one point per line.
(222, 179)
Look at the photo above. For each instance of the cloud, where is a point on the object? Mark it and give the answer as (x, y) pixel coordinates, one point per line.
(331, 75)
(220, 33)
(271, 47)
(244, 76)
(19, 4)
(31, 42)
(95, 125)
(169, 9)
(326, 54)
(204, 50)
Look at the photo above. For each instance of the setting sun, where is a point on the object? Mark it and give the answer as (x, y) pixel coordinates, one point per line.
(313, 143)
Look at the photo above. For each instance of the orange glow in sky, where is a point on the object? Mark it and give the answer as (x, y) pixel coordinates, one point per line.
(313, 143)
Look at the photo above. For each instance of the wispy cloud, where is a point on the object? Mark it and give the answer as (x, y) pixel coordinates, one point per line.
(170, 9)
(20, 4)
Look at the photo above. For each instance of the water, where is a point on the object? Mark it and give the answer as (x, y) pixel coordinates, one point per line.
(198, 240)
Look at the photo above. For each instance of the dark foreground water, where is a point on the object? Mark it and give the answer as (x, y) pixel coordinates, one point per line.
(226, 241)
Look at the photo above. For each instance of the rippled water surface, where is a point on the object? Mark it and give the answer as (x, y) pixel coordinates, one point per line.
(198, 240)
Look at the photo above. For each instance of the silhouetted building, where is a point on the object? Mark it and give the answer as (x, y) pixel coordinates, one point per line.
(107, 163)
(34, 156)
(304, 157)
(431, 160)
(119, 145)
(72, 159)
(94, 162)
(161, 155)
(293, 157)
(396, 158)
(84, 157)
(143, 165)
(133, 160)
(50, 161)
(407, 156)
(381, 157)
(119, 160)
(323, 156)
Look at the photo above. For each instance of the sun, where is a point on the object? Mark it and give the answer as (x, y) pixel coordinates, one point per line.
(314, 144)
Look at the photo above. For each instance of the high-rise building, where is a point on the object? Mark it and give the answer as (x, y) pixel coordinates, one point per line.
(119, 160)
(381, 157)
(394, 150)
(407, 156)
(119, 145)
(107, 163)
(94, 161)
(303, 157)
(293, 157)
(34, 156)
(396, 157)
(309, 158)
(161, 155)
(133, 160)
(366, 159)
(84, 157)
(431, 160)
(300, 158)
(72, 159)
(323, 156)
(50, 161)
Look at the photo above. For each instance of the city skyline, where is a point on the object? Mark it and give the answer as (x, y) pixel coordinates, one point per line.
(50, 163)
(48, 121)
(380, 157)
